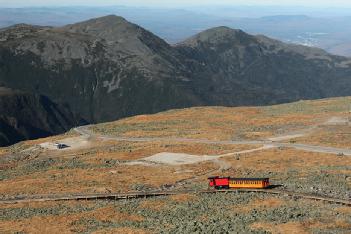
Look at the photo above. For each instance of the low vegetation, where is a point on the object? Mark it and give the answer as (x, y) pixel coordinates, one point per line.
(220, 123)
(216, 213)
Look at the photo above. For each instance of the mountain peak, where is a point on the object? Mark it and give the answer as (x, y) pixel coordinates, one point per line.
(108, 20)
(109, 27)
(217, 35)
(222, 29)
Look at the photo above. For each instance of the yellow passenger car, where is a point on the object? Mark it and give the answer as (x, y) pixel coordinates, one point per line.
(249, 183)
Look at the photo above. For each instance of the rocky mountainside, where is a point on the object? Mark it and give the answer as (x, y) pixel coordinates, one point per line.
(107, 68)
(26, 116)
(241, 69)
(104, 69)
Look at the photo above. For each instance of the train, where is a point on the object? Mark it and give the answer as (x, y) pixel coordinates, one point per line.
(218, 182)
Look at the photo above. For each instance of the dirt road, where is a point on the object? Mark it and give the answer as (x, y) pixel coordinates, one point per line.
(267, 144)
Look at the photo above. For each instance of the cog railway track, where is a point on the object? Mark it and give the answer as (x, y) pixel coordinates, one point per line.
(136, 195)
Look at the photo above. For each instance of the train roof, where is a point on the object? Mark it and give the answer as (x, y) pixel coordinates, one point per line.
(218, 177)
(249, 179)
(244, 179)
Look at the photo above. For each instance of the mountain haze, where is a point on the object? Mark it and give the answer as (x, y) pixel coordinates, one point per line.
(108, 68)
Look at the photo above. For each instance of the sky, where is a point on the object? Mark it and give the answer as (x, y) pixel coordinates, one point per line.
(175, 3)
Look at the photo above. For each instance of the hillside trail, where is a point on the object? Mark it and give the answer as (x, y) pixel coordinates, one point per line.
(273, 142)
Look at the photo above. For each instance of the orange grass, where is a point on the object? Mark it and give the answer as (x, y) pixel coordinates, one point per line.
(65, 223)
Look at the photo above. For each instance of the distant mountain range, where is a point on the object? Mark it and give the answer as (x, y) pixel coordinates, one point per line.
(328, 29)
(107, 68)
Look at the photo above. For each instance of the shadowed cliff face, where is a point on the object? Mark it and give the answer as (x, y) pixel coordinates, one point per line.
(26, 116)
(107, 68)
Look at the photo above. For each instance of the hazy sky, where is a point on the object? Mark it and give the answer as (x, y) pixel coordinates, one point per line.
(172, 3)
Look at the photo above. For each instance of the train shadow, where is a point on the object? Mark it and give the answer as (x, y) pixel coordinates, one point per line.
(273, 186)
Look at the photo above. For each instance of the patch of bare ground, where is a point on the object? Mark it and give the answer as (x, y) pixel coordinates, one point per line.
(183, 198)
(124, 230)
(291, 228)
(152, 204)
(306, 226)
(344, 210)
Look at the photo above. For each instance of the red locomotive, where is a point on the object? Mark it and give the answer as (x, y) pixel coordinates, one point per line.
(227, 182)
